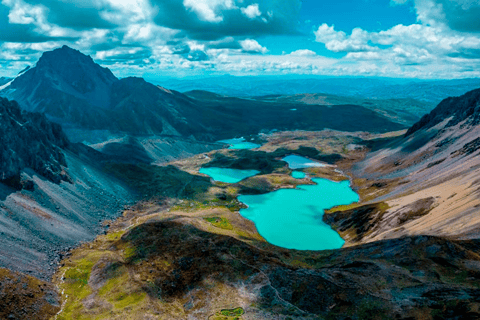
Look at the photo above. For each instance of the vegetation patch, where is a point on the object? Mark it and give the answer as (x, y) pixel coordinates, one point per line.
(219, 222)
(228, 314)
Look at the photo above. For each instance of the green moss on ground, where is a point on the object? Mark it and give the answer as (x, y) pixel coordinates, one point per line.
(221, 223)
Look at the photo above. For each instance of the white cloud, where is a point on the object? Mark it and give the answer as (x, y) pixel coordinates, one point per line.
(461, 15)
(252, 11)
(338, 41)
(252, 46)
(303, 53)
(209, 10)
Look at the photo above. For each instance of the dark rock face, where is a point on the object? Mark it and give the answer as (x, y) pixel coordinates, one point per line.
(461, 108)
(468, 148)
(29, 140)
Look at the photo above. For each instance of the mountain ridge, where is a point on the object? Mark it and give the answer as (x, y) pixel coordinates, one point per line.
(74, 91)
(459, 108)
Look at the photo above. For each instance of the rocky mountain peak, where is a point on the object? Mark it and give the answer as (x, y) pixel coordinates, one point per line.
(64, 70)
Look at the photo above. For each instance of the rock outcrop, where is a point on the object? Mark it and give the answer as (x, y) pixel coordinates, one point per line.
(29, 140)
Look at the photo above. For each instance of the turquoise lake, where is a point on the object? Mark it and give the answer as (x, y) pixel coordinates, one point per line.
(298, 174)
(297, 162)
(228, 175)
(240, 143)
(292, 218)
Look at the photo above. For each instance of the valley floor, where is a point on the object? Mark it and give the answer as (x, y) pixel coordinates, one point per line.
(184, 252)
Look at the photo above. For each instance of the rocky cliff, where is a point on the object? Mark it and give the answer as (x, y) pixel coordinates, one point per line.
(29, 140)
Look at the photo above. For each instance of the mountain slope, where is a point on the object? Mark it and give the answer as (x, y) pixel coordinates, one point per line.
(429, 179)
(53, 194)
(465, 108)
(30, 140)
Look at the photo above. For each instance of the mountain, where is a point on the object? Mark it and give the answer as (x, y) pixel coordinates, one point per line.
(236, 116)
(426, 182)
(461, 109)
(89, 101)
(71, 89)
(53, 194)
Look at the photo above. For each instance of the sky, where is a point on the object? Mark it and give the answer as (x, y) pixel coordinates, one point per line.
(427, 39)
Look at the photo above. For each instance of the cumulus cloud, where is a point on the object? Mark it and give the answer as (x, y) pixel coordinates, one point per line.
(12, 31)
(416, 43)
(252, 46)
(338, 41)
(216, 19)
(460, 15)
(303, 53)
(252, 11)
(137, 36)
(207, 10)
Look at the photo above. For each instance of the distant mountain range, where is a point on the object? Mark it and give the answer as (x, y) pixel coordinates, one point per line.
(430, 91)
(85, 98)
(403, 111)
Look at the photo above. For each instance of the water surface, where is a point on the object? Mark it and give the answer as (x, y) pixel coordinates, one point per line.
(298, 162)
(292, 218)
(240, 143)
(298, 174)
(228, 175)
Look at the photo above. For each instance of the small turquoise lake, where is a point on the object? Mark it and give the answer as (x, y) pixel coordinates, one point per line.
(228, 175)
(298, 162)
(298, 174)
(292, 218)
(240, 143)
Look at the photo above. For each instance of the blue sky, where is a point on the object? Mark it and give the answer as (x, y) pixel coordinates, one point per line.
(386, 38)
